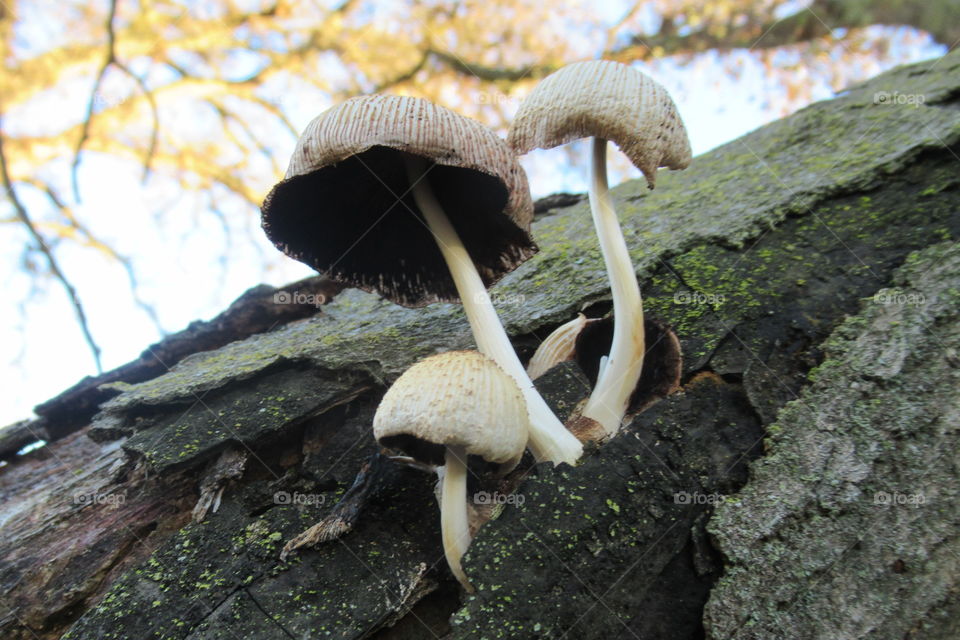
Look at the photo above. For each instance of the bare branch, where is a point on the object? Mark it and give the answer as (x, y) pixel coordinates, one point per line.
(627, 17)
(155, 133)
(45, 250)
(490, 74)
(91, 103)
(226, 117)
(112, 59)
(802, 26)
(406, 75)
(85, 131)
(99, 244)
(805, 25)
(277, 112)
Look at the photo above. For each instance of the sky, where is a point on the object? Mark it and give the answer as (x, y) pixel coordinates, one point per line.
(180, 264)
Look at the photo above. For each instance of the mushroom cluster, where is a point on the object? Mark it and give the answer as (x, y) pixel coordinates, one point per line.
(408, 199)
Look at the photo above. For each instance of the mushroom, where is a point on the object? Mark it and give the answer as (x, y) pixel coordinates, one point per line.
(443, 409)
(409, 199)
(608, 100)
(587, 340)
(559, 346)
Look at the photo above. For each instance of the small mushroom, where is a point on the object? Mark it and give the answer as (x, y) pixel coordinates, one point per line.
(586, 342)
(608, 100)
(443, 409)
(409, 199)
(559, 346)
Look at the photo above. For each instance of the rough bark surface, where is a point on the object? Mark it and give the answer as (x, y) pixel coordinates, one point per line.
(770, 257)
(848, 527)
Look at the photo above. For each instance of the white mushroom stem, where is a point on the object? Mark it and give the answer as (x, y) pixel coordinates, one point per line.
(549, 439)
(619, 377)
(454, 524)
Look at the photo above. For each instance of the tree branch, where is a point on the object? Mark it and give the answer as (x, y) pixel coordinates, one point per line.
(155, 132)
(802, 26)
(102, 246)
(490, 74)
(226, 117)
(112, 59)
(48, 253)
(405, 75)
(940, 19)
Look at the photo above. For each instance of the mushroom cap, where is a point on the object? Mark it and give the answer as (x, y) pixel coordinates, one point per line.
(456, 398)
(604, 99)
(560, 346)
(346, 207)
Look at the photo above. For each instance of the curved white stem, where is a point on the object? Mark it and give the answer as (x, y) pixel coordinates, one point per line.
(549, 439)
(619, 377)
(454, 525)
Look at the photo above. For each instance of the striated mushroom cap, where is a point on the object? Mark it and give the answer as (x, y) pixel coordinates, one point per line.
(560, 346)
(346, 209)
(604, 99)
(458, 398)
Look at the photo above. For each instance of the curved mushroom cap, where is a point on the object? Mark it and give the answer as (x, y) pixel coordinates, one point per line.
(456, 398)
(346, 208)
(604, 99)
(560, 346)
